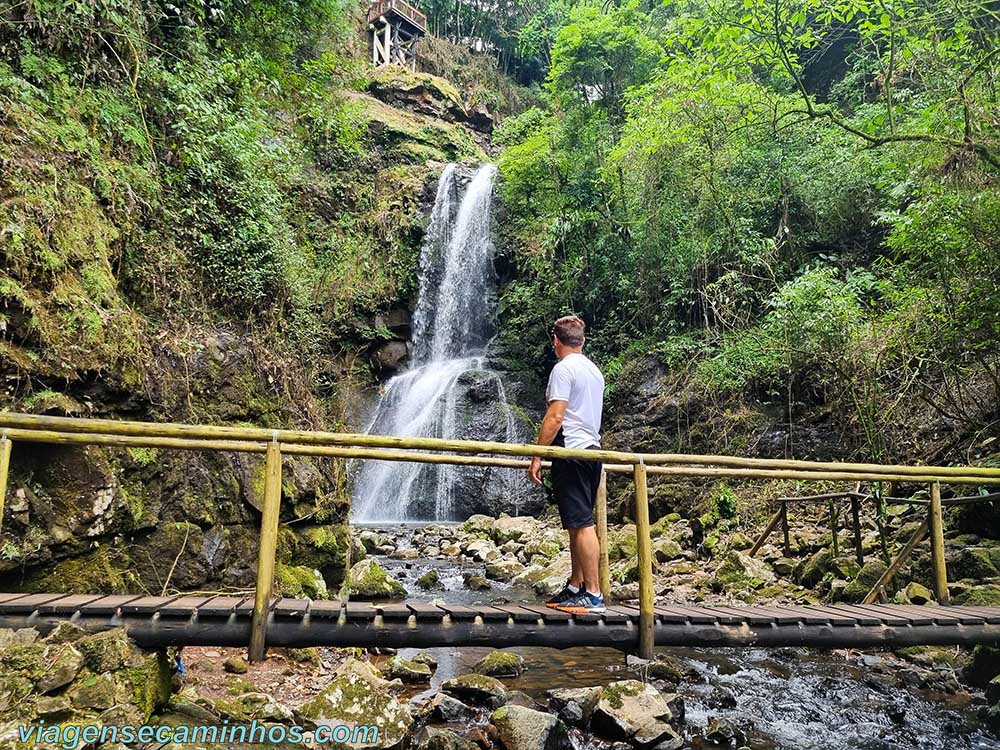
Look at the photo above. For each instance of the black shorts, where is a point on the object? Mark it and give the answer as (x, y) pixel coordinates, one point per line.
(574, 485)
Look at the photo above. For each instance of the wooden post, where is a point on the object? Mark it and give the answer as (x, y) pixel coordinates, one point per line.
(775, 519)
(5, 445)
(386, 45)
(646, 638)
(936, 525)
(833, 528)
(859, 551)
(266, 552)
(602, 536)
(784, 529)
(904, 554)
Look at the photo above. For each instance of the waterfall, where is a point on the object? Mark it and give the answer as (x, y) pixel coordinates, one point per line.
(447, 392)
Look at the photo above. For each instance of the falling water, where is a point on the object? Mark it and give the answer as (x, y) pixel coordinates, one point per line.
(453, 323)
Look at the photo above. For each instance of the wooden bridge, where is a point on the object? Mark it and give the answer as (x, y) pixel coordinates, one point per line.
(262, 620)
(158, 621)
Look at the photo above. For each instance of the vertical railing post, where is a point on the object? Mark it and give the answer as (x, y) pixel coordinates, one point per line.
(601, 520)
(859, 550)
(266, 551)
(784, 529)
(646, 638)
(936, 524)
(5, 445)
(834, 528)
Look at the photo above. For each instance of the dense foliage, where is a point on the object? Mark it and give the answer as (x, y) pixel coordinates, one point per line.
(788, 199)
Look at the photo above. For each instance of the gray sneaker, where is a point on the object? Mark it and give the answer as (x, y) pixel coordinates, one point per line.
(563, 596)
(584, 603)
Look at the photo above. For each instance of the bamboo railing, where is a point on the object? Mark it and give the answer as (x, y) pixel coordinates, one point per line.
(275, 444)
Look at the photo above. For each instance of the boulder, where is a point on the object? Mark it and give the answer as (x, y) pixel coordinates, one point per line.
(425, 657)
(368, 580)
(429, 580)
(629, 710)
(476, 688)
(723, 732)
(390, 356)
(521, 728)
(481, 550)
(514, 529)
(407, 670)
(503, 570)
(916, 593)
(739, 571)
(575, 705)
(352, 700)
(666, 549)
(500, 664)
(811, 572)
(436, 738)
(236, 665)
(476, 583)
(254, 706)
(63, 665)
(451, 710)
(972, 562)
(869, 575)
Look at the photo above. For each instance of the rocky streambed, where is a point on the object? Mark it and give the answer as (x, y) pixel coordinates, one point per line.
(528, 698)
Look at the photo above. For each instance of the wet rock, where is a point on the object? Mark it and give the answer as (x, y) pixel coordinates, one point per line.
(724, 732)
(666, 668)
(405, 554)
(500, 664)
(390, 356)
(372, 540)
(429, 580)
(476, 688)
(521, 728)
(436, 738)
(368, 580)
(236, 665)
(476, 583)
(503, 570)
(481, 550)
(575, 705)
(983, 667)
(407, 670)
(425, 657)
(351, 699)
(451, 710)
(630, 710)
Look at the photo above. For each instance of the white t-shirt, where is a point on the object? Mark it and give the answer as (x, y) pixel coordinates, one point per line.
(577, 381)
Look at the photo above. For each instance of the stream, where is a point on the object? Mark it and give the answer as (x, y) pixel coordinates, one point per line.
(782, 699)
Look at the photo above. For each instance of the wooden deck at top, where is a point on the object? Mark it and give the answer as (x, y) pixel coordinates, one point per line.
(31, 606)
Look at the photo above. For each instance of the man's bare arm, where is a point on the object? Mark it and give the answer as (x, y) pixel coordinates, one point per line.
(551, 423)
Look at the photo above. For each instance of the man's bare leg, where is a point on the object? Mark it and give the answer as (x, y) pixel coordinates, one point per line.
(585, 551)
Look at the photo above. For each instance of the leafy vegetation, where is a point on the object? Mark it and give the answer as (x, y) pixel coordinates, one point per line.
(799, 198)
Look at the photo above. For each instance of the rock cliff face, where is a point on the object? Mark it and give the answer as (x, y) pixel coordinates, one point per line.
(97, 520)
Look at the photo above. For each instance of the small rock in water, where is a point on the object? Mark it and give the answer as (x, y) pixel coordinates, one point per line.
(425, 657)
(451, 710)
(500, 664)
(477, 583)
(477, 688)
(407, 670)
(521, 728)
(723, 732)
(436, 738)
(575, 705)
(429, 580)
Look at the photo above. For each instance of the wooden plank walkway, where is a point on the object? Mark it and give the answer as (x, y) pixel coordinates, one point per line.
(225, 621)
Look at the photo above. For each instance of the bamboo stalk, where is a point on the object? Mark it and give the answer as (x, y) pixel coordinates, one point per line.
(601, 520)
(859, 552)
(895, 565)
(266, 552)
(771, 524)
(699, 471)
(936, 524)
(786, 536)
(5, 447)
(116, 427)
(646, 638)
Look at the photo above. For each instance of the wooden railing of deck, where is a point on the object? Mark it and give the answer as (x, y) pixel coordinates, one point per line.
(382, 7)
(275, 444)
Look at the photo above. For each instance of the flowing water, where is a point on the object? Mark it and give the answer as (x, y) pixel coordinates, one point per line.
(782, 699)
(444, 394)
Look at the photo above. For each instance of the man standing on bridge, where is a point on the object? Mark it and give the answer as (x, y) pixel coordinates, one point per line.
(575, 396)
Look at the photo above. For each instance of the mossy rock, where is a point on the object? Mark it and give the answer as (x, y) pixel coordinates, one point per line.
(974, 563)
(101, 571)
(407, 670)
(351, 699)
(812, 570)
(109, 651)
(476, 688)
(368, 580)
(500, 664)
(429, 580)
(987, 595)
(300, 581)
(983, 667)
(308, 655)
(325, 548)
(622, 543)
(868, 576)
